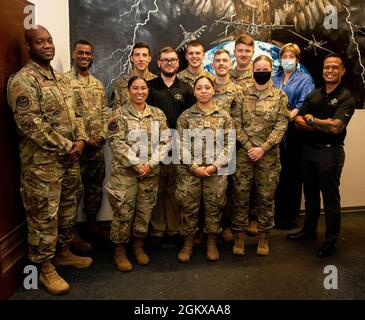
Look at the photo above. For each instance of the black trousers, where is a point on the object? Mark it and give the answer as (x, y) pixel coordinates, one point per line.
(288, 194)
(321, 168)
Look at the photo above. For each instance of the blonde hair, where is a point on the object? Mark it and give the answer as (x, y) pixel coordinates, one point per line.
(263, 57)
(290, 47)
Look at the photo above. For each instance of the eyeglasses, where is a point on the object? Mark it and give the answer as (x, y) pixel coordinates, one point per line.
(166, 61)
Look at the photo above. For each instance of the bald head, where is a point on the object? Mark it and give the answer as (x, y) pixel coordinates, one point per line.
(40, 45)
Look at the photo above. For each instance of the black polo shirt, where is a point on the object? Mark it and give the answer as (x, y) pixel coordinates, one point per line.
(173, 101)
(339, 104)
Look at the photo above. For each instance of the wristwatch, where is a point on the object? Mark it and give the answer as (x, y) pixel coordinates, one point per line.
(310, 120)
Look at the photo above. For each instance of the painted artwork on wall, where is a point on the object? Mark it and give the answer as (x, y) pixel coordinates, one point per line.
(317, 26)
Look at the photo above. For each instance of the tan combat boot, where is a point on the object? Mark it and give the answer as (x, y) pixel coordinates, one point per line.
(227, 235)
(212, 250)
(263, 245)
(138, 251)
(79, 244)
(50, 279)
(252, 230)
(239, 244)
(186, 251)
(65, 258)
(121, 260)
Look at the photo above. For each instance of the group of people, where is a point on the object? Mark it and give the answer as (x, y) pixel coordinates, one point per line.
(174, 138)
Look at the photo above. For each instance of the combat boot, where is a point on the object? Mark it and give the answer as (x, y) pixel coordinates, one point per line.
(186, 251)
(65, 258)
(263, 245)
(252, 230)
(121, 260)
(96, 231)
(50, 279)
(227, 235)
(139, 253)
(79, 244)
(212, 250)
(239, 244)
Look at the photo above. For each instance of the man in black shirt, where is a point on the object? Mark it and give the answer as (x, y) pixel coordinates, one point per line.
(172, 96)
(323, 120)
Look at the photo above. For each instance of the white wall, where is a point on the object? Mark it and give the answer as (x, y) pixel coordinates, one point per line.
(54, 16)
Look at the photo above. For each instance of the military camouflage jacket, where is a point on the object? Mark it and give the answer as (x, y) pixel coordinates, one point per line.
(241, 78)
(229, 96)
(203, 129)
(190, 78)
(120, 95)
(43, 107)
(126, 132)
(263, 119)
(91, 103)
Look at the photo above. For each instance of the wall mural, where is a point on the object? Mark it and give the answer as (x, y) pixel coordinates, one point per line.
(317, 26)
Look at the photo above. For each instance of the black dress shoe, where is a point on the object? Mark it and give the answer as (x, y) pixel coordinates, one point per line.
(327, 249)
(302, 235)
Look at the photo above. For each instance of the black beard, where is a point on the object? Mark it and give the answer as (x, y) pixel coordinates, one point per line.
(168, 74)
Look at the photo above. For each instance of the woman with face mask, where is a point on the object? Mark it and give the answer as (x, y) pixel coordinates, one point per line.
(260, 124)
(297, 85)
(203, 130)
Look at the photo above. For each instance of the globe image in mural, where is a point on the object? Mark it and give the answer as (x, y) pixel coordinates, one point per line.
(261, 48)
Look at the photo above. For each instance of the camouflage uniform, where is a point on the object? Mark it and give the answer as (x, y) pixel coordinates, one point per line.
(131, 198)
(120, 95)
(242, 78)
(264, 119)
(190, 78)
(91, 103)
(43, 108)
(190, 187)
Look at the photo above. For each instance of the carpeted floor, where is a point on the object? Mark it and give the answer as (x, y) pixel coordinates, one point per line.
(291, 271)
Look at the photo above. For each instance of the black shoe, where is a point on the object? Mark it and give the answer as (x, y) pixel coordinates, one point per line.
(155, 242)
(327, 249)
(302, 235)
(286, 225)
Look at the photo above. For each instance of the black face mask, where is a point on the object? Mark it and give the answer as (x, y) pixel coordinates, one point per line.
(262, 77)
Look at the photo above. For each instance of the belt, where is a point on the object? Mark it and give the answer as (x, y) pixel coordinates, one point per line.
(323, 146)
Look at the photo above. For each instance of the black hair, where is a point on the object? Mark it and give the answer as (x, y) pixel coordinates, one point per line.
(203, 77)
(84, 42)
(134, 78)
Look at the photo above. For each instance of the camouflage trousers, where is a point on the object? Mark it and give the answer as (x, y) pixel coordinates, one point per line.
(265, 174)
(49, 197)
(132, 201)
(166, 218)
(189, 191)
(92, 176)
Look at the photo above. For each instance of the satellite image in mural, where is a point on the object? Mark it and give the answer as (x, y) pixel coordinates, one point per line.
(317, 26)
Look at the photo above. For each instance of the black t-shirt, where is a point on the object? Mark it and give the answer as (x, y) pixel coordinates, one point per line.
(173, 101)
(339, 104)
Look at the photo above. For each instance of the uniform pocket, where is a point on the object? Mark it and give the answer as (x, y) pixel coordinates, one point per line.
(116, 197)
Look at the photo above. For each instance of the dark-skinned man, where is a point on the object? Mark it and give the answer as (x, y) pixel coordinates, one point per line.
(52, 138)
(323, 120)
(91, 103)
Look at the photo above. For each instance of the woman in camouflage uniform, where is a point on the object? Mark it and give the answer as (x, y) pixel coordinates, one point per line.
(134, 174)
(199, 174)
(261, 124)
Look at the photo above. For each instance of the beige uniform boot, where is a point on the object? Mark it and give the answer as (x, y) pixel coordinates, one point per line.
(121, 260)
(239, 244)
(50, 279)
(212, 250)
(252, 230)
(227, 235)
(186, 251)
(263, 245)
(139, 253)
(79, 244)
(65, 258)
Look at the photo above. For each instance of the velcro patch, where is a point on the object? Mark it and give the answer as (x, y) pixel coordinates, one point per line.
(233, 105)
(23, 103)
(113, 127)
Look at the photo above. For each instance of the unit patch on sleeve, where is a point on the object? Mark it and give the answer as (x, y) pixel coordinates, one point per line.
(23, 103)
